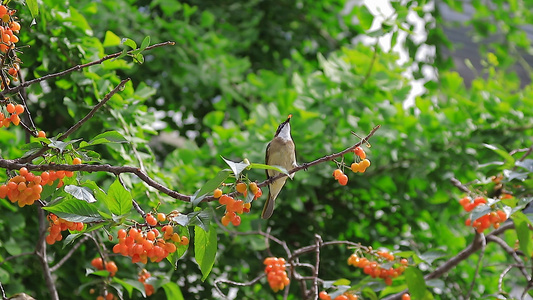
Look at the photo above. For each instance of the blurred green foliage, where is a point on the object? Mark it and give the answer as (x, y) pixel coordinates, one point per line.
(237, 70)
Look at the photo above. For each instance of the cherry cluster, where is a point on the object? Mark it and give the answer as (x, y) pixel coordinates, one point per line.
(236, 207)
(363, 161)
(148, 288)
(340, 177)
(375, 269)
(26, 187)
(57, 225)
(14, 111)
(494, 218)
(360, 165)
(108, 296)
(144, 245)
(323, 295)
(276, 274)
(110, 266)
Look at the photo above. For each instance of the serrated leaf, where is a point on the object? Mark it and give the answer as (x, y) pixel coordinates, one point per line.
(75, 211)
(415, 282)
(172, 291)
(80, 193)
(118, 200)
(237, 168)
(205, 249)
(181, 219)
(209, 187)
(199, 218)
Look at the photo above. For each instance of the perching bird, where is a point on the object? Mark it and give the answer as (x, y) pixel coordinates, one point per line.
(280, 152)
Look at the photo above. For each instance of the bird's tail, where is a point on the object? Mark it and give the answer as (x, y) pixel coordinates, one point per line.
(268, 209)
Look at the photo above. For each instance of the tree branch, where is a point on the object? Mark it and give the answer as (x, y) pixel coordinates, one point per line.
(17, 164)
(69, 254)
(41, 253)
(76, 68)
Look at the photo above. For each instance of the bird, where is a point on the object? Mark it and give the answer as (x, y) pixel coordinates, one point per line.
(280, 152)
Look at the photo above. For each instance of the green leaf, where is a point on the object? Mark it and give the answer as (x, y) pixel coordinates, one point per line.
(430, 256)
(118, 200)
(268, 167)
(111, 39)
(366, 18)
(60, 145)
(129, 42)
(199, 218)
(49, 190)
(172, 291)
(415, 282)
(237, 168)
(209, 187)
(80, 193)
(180, 249)
(480, 211)
(34, 7)
(106, 137)
(342, 281)
(523, 232)
(145, 43)
(205, 249)
(510, 161)
(75, 211)
(130, 284)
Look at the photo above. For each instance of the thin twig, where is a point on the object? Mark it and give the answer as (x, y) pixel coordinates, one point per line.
(318, 245)
(3, 292)
(459, 185)
(43, 258)
(16, 256)
(78, 124)
(69, 254)
(235, 283)
(459, 257)
(478, 265)
(519, 263)
(94, 109)
(76, 68)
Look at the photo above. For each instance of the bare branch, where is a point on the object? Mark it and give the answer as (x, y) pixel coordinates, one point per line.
(235, 283)
(519, 263)
(69, 254)
(94, 109)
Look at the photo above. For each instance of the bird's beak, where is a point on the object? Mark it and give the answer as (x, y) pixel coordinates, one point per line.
(288, 119)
